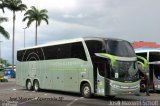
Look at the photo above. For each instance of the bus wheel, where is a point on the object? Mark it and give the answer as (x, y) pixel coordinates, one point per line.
(36, 85)
(86, 90)
(29, 85)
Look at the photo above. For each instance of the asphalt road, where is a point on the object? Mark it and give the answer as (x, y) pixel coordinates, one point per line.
(13, 95)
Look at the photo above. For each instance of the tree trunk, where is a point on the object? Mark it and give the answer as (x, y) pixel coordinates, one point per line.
(36, 34)
(14, 18)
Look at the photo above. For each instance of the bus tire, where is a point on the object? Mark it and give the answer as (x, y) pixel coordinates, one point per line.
(86, 90)
(29, 85)
(36, 86)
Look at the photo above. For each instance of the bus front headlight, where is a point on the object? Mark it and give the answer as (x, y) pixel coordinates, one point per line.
(114, 85)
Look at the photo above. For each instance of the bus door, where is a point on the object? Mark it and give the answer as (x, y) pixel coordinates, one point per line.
(100, 78)
(156, 76)
(151, 74)
(154, 61)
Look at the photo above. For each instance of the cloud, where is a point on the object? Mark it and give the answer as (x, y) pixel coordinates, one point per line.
(132, 20)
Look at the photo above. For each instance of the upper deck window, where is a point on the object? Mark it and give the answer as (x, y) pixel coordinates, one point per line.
(120, 48)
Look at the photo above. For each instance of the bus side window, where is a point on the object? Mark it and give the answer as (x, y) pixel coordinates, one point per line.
(101, 69)
(142, 54)
(39, 52)
(20, 55)
(50, 52)
(77, 51)
(65, 51)
(154, 56)
(95, 47)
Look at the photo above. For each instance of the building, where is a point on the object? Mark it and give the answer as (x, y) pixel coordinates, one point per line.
(142, 44)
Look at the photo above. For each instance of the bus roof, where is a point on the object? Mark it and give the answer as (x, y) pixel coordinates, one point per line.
(71, 41)
(142, 50)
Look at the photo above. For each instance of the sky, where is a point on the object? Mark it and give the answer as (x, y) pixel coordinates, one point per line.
(132, 20)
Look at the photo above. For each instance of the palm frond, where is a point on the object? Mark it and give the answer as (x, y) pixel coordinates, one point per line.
(15, 5)
(3, 19)
(46, 20)
(30, 22)
(25, 18)
(4, 32)
(35, 14)
(2, 5)
(43, 11)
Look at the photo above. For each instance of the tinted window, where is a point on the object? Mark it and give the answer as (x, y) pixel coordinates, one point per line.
(20, 55)
(120, 48)
(40, 53)
(31, 55)
(77, 51)
(101, 69)
(142, 55)
(154, 56)
(58, 51)
(64, 51)
(26, 54)
(50, 52)
(70, 50)
(95, 47)
(156, 69)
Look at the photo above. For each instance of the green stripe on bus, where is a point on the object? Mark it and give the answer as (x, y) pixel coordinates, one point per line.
(79, 69)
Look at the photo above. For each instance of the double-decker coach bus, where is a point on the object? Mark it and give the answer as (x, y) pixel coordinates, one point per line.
(89, 65)
(152, 55)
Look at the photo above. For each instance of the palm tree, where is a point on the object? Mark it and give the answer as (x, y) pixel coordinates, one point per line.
(2, 29)
(3, 32)
(36, 15)
(14, 6)
(2, 5)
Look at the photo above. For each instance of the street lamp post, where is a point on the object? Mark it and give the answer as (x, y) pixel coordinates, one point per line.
(0, 55)
(24, 35)
(0, 48)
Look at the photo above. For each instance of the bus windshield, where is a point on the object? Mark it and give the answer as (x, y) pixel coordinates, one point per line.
(154, 56)
(125, 71)
(120, 48)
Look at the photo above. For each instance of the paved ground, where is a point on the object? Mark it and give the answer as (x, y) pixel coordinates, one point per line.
(12, 95)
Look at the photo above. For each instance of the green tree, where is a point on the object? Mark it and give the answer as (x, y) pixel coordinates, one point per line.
(14, 6)
(36, 15)
(2, 29)
(5, 62)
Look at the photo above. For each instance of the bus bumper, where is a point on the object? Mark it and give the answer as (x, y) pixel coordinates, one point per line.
(121, 88)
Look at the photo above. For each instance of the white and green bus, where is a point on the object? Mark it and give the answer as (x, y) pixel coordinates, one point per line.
(89, 65)
(152, 55)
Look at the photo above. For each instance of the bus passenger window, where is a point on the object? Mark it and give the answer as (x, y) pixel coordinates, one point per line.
(142, 54)
(154, 56)
(101, 69)
(95, 47)
(77, 51)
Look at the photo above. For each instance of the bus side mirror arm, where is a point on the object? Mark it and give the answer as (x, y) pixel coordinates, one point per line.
(111, 57)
